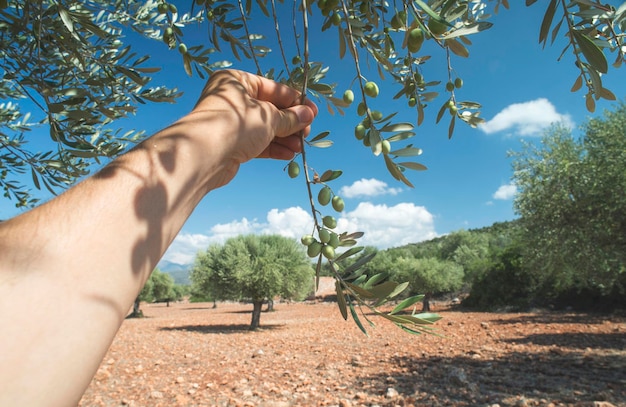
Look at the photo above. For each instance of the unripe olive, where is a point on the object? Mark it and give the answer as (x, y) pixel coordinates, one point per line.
(294, 169)
(449, 86)
(458, 83)
(334, 240)
(307, 240)
(314, 249)
(361, 109)
(398, 20)
(328, 251)
(324, 235)
(453, 109)
(162, 8)
(321, 4)
(323, 197)
(169, 31)
(412, 102)
(338, 203)
(436, 27)
(367, 123)
(182, 48)
(348, 96)
(366, 140)
(335, 19)
(377, 115)
(296, 60)
(359, 131)
(172, 8)
(386, 146)
(329, 221)
(371, 89)
(415, 40)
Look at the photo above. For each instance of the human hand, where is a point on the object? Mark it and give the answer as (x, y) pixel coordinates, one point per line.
(264, 118)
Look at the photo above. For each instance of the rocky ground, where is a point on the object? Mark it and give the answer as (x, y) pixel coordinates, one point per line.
(306, 355)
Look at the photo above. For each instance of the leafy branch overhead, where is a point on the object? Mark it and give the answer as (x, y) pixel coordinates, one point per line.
(67, 66)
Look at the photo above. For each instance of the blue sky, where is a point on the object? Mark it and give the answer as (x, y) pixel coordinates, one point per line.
(468, 182)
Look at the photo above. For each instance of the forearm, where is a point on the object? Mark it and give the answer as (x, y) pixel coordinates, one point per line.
(116, 225)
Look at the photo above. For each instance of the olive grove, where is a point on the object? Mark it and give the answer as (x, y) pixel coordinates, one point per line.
(72, 62)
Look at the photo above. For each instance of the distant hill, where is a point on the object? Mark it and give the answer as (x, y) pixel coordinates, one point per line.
(179, 272)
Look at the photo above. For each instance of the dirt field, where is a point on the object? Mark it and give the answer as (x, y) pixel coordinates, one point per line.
(306, 355)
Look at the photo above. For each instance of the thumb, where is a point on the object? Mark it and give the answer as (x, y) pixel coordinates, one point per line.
(293, 119)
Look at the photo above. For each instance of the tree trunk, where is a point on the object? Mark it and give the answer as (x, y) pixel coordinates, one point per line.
(426, 302)
(256, 314)
(270, 305)
(137, 313)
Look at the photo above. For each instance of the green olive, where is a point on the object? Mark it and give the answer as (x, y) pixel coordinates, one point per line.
(173, 8)
(348, 96)
(323, 197)
(371, 89)
(334, 240)
(328, 251)
(182, 48)
(324, 235)
(338, 203)
(307, 240)
(415, 40)
(294, 169)
(359, 131)
(412, 102)
(398, 20)
(361, 109)
(437, 27)
(314, 249)
(377, 115)
(458, 83)
(162, 8)
(329, 221)
(449, 86)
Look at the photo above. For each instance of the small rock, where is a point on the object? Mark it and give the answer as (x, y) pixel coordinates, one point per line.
(180, 379)
(156, 395)
(484, 324)
(345, 403)
(391, 393)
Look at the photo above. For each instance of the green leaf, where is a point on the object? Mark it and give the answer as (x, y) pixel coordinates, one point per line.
(592, 53)
(407, 152)
(456, 47)
(321, 144)
(341, 300)
(547, 22)
(413, 166)
(360, 262)
(397, 127)
(376, 278)
(407, 303)
(469, 29)
(356, 319)
(348, 253)
(330, 175)
(361, 292)
(67, 19)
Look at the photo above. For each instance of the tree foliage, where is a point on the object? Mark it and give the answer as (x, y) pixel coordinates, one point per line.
(572, 205)
(254, 268)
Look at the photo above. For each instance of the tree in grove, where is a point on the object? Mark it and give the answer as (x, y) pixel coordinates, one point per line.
(69, 66)
(254, 268)
(572, 205)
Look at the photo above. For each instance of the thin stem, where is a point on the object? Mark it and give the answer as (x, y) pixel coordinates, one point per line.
(278, 37)
(245, 27)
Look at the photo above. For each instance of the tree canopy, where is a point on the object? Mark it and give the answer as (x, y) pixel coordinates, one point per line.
(572, 204)
(254, 268)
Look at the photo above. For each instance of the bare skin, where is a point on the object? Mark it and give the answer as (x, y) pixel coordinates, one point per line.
(70, 269)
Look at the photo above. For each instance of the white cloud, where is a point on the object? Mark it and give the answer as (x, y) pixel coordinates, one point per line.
(292, 222)
(505, 192)
(368, 187)
(389, 226)
(526, 119)
(384, 226)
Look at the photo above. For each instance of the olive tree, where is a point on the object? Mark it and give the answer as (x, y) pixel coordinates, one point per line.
(254, 268)
(572, 205)
(71, 61)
